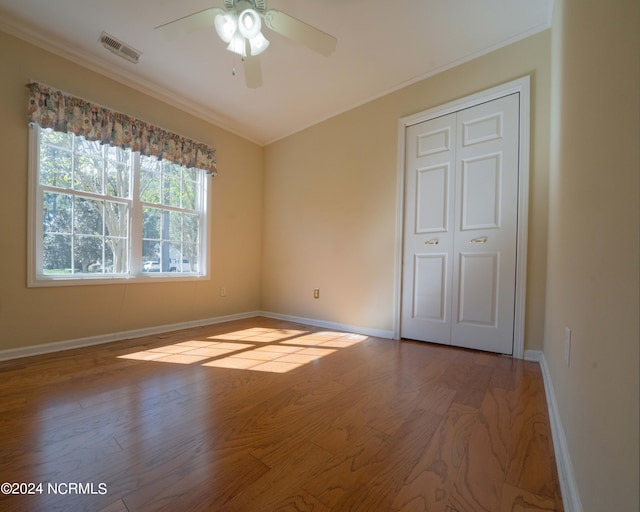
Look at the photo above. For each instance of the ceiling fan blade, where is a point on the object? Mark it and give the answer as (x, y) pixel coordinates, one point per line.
(191, 23)
(299, 31)
(252, 72)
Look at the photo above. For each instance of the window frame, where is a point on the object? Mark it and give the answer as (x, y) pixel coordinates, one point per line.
(37, 278)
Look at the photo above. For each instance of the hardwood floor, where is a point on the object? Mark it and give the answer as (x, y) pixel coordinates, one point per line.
(265, 415)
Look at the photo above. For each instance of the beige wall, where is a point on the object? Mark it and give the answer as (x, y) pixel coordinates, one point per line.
(593, 283)
(331, 194)
(31, 316)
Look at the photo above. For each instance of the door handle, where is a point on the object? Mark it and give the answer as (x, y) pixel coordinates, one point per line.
(435, 241)
(479, 240)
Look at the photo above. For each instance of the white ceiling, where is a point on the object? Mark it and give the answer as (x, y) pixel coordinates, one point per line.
(382, 46)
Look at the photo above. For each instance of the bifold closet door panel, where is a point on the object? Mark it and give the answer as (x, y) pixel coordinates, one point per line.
(485, 234)
(428, 230)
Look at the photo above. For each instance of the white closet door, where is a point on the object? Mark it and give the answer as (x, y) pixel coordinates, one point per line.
(460, 227)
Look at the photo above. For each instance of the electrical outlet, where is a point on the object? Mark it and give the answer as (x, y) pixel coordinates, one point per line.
(567, 345)
(223, 291)
(316, 293)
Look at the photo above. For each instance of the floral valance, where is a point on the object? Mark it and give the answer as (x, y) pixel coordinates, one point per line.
(51, 108)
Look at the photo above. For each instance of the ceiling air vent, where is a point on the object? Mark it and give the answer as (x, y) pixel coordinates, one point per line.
(119, 48)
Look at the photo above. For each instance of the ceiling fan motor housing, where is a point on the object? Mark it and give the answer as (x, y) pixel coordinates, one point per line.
(241, 5)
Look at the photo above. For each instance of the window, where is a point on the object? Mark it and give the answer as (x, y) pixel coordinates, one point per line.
(103, 213)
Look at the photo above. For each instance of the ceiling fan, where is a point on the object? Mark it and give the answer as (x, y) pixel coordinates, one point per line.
(240, 25)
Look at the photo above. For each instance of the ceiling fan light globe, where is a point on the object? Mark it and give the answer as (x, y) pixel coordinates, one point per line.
(238, 45)
(249, 23)
(226, 26)
(258, 44)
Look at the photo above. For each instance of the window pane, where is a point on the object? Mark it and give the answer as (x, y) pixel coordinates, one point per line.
(175, 257)
(175, 225)
(191, 174)
(189, 194)
(59, 139)
(55, 165)
(150, 256)
(165, 256)
(116, 219)
(191, 228)
(56, 213)
(116, 256)
(190, 257)
(117, 245)
(151, 223)
(56, 254)
(150, 173)
(87, 251)
(118, 177)
(87, 216)
(171, 185)
(171, 241)
(89, 163)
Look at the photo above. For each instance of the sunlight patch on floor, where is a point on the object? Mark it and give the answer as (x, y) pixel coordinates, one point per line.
(256, 349)
(265, 359)
(187, 352)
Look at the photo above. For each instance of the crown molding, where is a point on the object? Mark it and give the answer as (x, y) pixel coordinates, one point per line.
(118, 74)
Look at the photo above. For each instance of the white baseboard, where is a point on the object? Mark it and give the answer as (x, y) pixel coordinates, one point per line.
(568, 486)
(378, 333)
(47, 348)
(58, 346)
(532, 355)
